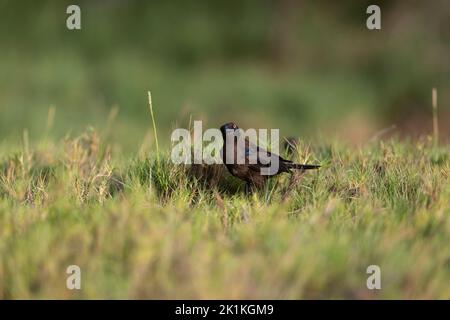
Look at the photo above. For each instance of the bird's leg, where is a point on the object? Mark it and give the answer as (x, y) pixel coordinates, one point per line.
(248, 189)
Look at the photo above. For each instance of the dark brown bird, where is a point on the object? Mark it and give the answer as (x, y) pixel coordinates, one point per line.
(250, 162)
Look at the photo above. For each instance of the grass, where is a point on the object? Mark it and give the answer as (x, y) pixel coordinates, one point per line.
(141, 227)
(142, 230)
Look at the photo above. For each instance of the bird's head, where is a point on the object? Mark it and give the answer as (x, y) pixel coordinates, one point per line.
(228, 128)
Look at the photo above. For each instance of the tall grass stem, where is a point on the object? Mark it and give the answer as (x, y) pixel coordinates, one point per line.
(435, 117)
(154, 125)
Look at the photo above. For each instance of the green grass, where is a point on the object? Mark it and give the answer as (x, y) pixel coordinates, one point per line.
(140, 227)
(142, 230)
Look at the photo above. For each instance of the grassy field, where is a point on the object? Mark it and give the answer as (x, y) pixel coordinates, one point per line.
(139, 228)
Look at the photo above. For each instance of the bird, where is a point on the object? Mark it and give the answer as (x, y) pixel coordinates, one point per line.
(251, 163)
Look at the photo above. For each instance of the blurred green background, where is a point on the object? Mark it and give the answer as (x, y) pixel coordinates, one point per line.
(311, 68)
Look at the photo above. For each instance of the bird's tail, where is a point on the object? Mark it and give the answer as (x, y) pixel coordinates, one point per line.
(302, 166)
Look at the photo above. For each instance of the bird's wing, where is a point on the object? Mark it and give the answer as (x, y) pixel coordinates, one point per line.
(254, 154)
(251, 149)
(259, 154)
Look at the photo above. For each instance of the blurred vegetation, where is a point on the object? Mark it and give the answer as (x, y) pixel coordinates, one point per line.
(307, 67)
